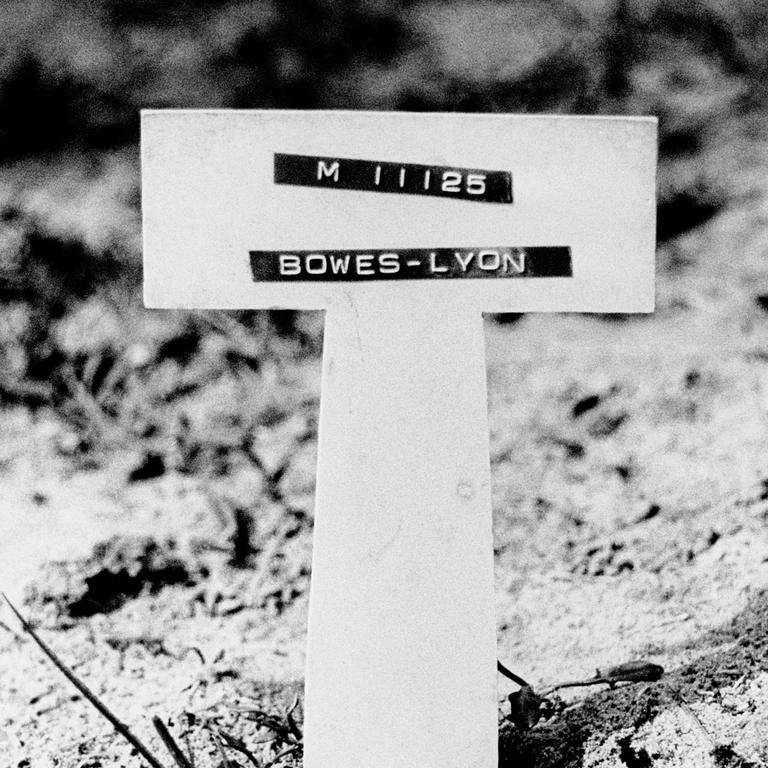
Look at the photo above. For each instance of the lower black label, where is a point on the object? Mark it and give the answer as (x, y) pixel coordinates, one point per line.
(412, 264)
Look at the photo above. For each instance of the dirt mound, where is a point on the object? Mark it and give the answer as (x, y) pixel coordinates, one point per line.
(118, 570)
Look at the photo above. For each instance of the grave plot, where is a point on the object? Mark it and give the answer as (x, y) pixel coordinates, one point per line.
(628, 489)
(628, 498)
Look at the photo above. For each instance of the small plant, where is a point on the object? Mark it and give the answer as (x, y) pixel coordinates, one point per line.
(528, 707)
(286, 739)
(119, 726)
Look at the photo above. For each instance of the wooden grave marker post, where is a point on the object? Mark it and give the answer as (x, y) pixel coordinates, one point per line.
(404, 228)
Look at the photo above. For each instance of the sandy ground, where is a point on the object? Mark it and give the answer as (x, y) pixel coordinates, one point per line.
(630, 502)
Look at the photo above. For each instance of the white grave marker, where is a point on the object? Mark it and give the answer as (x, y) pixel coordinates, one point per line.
(404, 228)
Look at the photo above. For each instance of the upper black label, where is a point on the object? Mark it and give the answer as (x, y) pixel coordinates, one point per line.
(399, 178)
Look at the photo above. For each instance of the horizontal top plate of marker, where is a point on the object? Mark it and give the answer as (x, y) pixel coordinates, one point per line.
(248, 209)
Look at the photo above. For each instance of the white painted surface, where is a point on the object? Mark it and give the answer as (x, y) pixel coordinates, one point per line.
(401, 648)
(584, 182)
(402, 643)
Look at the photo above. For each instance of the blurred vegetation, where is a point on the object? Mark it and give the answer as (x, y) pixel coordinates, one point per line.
(73, 77)
(76, 74)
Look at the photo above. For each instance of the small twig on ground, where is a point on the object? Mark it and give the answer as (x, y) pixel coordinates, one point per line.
(120, 727)
(242, 340)
(239, 746)
(285, 730)
(219, 745)
(697, 720)
(282, 754)
(16, 635)
(192, 649)
(99, 421)
(292, 724)
(190, 718)
(677, 697)
(511, 675)
(170, 743)
(631, 672)
(189, 750)
(294, 704)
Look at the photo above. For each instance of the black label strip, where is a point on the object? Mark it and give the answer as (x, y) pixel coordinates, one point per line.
(398, 178)
(412, 264)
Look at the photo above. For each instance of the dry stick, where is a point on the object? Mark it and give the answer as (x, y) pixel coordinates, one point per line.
(632, 672)
(511, 675)
(283, 754)
(234, 330)
(697, 721)
(16, 636)
(89, 404)
(577, 684)
(108, 386)
(294, 704)
(239, 746)
(218, 743)
(120, 727)
(677, 696)
(189, 749)
(292, 724)
(170, 743)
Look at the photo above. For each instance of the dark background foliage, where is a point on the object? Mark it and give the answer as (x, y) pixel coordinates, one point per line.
(73, 77)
